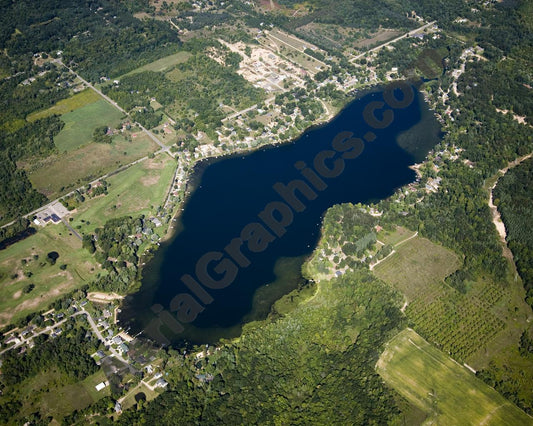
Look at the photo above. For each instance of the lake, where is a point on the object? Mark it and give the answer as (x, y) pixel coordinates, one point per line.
(251, 220)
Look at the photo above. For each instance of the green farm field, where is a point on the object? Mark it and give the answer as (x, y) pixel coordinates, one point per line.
(19, 267)
(65, 106)
(60, 173)
(445, 390)
(80, 124)
(136, 190)
(162, 64)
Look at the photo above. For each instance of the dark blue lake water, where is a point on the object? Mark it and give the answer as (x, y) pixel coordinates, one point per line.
(230, 193)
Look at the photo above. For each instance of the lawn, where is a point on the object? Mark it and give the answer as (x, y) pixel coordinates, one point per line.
(129, 401)
(18, 261)
(446, 391)
(65, 106)
(80, 124)
(162, 64)
(57, 174)
(132, 191)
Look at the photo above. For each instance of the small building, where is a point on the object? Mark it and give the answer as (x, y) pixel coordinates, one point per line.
(123, 348)
(161, 383)
(158, 375)
(100, 354)
(117, 340)
(55, 218)
(100, 386)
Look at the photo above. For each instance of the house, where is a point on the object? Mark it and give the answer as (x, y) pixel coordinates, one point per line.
(117, 340)
(100, 386)
(123, 348)
(100, 353)
(149, 369)
(158, 375)
(118, 407)
(156, 222)
(161, 383)
(204, 378)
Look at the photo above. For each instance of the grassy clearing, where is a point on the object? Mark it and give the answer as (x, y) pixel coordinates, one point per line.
(394, 237)
(446, 391)
(162, 64)
(80, 124)
(133, 191)
(18, 261)
(58, 174)
(65, 106)
(417, 264)
(46, 394)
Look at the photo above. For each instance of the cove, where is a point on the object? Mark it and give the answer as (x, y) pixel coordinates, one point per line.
(230, 193)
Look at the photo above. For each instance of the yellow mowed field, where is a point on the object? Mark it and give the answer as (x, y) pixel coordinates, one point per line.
(445, 390)
(64, 106)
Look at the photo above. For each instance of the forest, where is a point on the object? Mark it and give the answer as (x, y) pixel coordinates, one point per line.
(313, 366)
(68, 353)
(35, 140)
(102, 38)
(193, 90)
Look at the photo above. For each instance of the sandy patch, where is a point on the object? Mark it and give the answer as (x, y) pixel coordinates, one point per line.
(154, 164)
(17, 294)
(99, 296)
(32, 304)
(150, 180)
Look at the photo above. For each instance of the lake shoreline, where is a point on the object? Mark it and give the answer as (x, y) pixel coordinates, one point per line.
(196, 173)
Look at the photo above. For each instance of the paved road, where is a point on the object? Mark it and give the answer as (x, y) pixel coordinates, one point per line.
(49, 329)
(46, 206)
(100, 337)
(117, 106)
(410, 33)
(244, 111)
